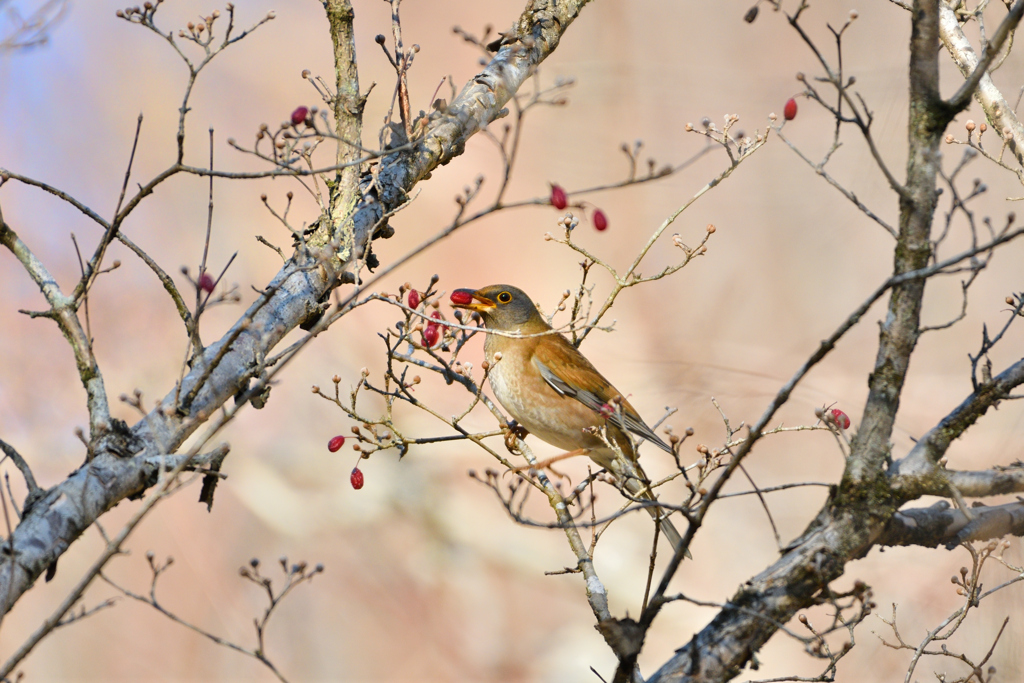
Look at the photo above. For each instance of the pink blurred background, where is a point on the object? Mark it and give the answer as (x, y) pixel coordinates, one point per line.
(426, 577)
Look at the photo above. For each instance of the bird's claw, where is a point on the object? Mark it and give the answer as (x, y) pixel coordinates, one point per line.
(513, 433)
(547, 464)
(544, 465)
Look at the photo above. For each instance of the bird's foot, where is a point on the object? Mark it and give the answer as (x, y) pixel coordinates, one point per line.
(515, 432)
(547, 464)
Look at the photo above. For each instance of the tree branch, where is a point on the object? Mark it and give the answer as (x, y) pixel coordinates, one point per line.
(120, 465)
(64, 311)
(533, 37)
(988, 54)
(998, 111)
(918, 467)
(34, 492)
(858, 510)
(942, 525)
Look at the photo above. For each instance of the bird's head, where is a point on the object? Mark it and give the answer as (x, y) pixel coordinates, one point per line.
(503, 307)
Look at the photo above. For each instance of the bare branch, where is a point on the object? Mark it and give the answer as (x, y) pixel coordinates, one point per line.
(999, 112)
(34, 492)
(861, 505)
(63, 311)
(918, 467)
(290, 299)
(21, 32)
(74, 493)
(988, 55)
(942, 525)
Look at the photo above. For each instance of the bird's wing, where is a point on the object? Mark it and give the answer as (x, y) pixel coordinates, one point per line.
(569, 373)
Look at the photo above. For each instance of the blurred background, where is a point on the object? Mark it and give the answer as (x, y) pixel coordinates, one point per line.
(426, 577)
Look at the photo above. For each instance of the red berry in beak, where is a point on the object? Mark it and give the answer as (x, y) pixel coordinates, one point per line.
(462, 296)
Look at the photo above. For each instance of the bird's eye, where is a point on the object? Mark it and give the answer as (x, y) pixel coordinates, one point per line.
(504, 298)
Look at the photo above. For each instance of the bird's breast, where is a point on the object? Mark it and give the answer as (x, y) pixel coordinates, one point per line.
(530, 401)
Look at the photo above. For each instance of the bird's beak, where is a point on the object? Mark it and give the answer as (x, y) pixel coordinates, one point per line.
(471, 300)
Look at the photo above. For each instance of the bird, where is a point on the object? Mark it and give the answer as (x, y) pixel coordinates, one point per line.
(551, 390)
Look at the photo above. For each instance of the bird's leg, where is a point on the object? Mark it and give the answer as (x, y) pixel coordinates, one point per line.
(546, 464)
(514, 432)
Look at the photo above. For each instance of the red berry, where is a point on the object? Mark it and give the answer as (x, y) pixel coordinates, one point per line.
(559, 200)
(462, 296)
(600, 220)
(606, 410)
(206, 283)
(436, 315)
(335, 444)
(356, 478)
(431, 335)
(414, 298)
(299, 115)
(840, 418)
(789, 111)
